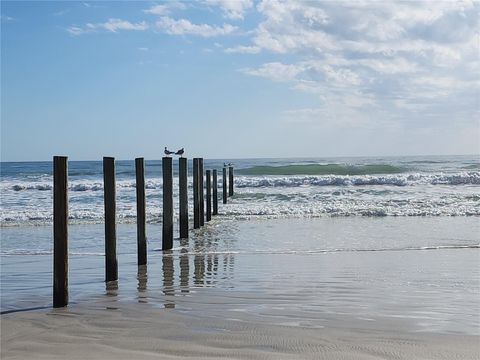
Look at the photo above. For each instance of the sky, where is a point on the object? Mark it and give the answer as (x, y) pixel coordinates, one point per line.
(239, 79)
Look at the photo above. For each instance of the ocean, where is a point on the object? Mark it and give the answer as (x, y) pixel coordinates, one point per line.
(392, 186)
(303, 242)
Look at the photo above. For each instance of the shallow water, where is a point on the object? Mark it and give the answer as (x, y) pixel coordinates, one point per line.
(421, 273)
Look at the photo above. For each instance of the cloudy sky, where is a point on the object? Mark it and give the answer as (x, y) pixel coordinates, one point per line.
(239, 78)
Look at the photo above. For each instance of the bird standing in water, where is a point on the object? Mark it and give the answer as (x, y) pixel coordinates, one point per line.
(168, 152)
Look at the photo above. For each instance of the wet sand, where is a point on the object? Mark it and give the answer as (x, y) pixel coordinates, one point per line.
(141, 331)
(276, 289)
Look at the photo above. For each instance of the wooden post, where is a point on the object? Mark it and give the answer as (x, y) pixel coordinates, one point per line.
(208, 185)
(224, 185)
(111, 264)
(201, 187)
(196, 196)
(60, 231)
(214, 192)
(183, 197)
(230, 181)
(141, 220)
(167, 223)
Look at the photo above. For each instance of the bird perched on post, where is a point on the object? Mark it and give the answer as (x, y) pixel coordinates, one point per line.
(180, 152)
(168, 152)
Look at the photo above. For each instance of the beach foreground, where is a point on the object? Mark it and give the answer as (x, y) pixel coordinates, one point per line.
(333, 288)
(140, 331)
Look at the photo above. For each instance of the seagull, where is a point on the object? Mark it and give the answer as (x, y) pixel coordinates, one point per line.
(168, 152)
(180, 152)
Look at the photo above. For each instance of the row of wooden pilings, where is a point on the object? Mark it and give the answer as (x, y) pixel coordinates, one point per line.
(202, 212)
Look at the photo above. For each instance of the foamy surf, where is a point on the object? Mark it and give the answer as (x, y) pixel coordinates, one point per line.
(366, 187)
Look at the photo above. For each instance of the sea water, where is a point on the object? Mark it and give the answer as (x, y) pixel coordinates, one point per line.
(301, 242)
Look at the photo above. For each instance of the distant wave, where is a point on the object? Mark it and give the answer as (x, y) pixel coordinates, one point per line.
(403, 179)
(81, 186)
(464, 178)
(327, 169)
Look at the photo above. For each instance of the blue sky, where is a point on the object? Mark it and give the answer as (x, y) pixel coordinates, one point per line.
(239, 78)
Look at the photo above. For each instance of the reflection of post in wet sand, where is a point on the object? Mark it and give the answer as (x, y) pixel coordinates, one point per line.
(167, 265)
(142, 283)
(212, 269)
(184, 267)
(198, 261)
(111, 288)
(228, 267)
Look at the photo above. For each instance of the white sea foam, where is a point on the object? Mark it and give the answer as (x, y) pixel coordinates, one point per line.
(463, 178)
(406, 194)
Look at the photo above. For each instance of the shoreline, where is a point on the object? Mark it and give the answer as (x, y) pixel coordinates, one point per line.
(123, 330)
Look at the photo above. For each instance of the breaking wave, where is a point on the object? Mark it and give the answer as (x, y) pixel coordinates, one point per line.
(327, 169)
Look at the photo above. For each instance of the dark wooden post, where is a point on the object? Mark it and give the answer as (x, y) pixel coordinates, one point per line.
(224, 185)
(201, 187)
(111, 264)
(141, 220)
(215, 193)
(60, 231)
(183, 197)
(167, 223)
(208, 185)
(196, 196)
(230, 181)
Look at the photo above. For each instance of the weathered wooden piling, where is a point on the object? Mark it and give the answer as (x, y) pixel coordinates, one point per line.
(230, 181)
(208, 185)
(215, 193)
(183, 197)
(167, 223)
(60, 231)
(141, 218)
(196, 195)
(201, 192)
(111, 264)
(224, 185)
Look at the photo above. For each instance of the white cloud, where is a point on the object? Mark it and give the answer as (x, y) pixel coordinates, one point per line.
(395, 60)
(232, 9)
(185, 27)
(240, 49)
(276, 71)
(165, 8)
(75, 30)
(112, 25)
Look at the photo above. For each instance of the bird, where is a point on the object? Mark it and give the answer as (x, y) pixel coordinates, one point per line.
(168, 152)
(180, 152)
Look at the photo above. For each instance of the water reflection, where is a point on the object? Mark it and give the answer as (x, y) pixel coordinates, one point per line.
(184, 266)
(168, 272)
(142, 283)
(111, 288)
(197, 262)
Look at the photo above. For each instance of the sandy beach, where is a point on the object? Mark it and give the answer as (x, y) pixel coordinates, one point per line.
(140, 331)
(350, 289)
